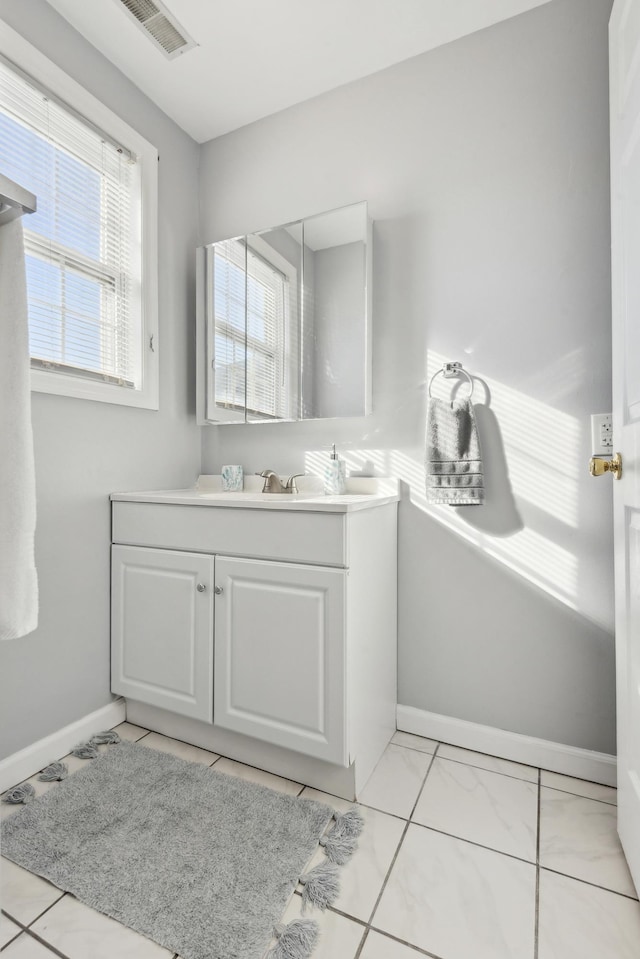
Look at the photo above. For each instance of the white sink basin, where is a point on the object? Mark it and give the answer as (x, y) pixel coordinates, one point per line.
(247, 496)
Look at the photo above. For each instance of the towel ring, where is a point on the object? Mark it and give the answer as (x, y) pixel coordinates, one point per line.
(452, 369)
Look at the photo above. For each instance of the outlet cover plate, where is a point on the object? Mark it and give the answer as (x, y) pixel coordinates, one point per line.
(601, 434)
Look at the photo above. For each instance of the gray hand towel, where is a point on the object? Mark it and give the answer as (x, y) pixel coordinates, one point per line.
(453, 459)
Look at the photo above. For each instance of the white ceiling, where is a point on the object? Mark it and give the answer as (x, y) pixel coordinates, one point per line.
(256, 57)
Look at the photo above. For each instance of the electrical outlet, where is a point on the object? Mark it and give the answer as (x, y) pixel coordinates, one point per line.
(601, 434)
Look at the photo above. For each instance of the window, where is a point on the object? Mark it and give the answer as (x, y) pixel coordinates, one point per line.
(91, 292)
(255, 329)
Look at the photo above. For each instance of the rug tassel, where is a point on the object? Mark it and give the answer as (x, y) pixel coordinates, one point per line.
(85, 751)
(23, 793)
(297, 940)
(321, 886)
(53, 772)
(107, 738)
(340, 844)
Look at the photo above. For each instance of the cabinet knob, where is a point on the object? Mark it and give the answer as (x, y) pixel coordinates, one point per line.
(201, 587)
(217, 590)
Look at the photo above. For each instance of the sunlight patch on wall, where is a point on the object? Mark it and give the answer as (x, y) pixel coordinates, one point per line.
(533, 434)
(526, 435)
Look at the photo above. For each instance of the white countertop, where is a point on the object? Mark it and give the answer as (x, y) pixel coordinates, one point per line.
(362, 493)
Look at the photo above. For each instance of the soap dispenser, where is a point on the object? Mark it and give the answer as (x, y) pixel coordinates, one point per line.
(334, 475)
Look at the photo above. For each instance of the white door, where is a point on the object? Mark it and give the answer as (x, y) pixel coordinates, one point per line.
(624, 36)
(162, 629)
(280, 655)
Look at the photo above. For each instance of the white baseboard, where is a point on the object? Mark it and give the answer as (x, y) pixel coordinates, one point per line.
(19, 766)
(557, 757)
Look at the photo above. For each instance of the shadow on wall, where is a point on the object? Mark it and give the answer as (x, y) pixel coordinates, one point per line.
(530, 522)
(499, 516)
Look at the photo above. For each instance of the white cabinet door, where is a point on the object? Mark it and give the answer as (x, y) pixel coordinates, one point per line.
(280, 655)
(162, 629)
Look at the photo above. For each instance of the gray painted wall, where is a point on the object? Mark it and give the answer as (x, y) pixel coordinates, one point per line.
(85, 450)
(485, 164)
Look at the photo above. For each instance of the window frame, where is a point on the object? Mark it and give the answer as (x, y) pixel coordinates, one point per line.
(22, 56)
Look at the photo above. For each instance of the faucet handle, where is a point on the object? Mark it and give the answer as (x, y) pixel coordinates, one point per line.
(291, 484)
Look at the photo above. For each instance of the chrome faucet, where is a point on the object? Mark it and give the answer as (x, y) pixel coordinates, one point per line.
(272, 482)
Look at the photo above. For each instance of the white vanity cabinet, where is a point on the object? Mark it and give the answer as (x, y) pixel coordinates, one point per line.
(263, 630)
(280, 655)
(161, 629)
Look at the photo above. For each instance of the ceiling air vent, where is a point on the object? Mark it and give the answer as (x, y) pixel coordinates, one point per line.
(160, 25)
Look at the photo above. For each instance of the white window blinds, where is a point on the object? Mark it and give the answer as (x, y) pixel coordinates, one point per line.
(83, 245)
(252, 332)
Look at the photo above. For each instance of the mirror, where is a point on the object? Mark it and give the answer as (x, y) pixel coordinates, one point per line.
(284, 322)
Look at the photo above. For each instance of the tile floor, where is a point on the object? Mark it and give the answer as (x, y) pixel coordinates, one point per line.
(463, 856)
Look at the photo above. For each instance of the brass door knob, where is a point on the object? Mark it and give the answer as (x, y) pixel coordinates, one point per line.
(599, 466)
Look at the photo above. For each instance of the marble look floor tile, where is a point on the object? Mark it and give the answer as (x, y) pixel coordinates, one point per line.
(24, 895)
(378, 946)
(482, 806)
(578, 921)
(578, 837)
(579, 787)
(130, 732)
(193, 754)
(340, 938)
(26, 947)
(362, 877)
(396, 781)
(259, 776)
(8, 930)
(493, 763)
(457, 900)
(80, 932)
(414, 742)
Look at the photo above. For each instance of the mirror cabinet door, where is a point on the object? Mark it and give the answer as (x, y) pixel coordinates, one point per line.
(335, 339)
(226, 302)
(284, 322)
(274, 281)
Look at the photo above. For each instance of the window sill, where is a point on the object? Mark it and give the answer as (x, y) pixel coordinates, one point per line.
(75, 386)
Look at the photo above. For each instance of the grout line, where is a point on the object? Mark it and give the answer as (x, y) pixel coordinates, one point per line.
(536, 920)
(43, 942)
(11, 941)
(594, 885)
(238, 762)
(141, 737)
(472, 842)
(9, 916)
(416, 749)
(41, 914)
(576, 778)
(399, 846)
(496, 772)
(420, 791)
(13, 938)
(565, 792)
(345, 915)
(362, 944)
(403, 942)
(394, 815)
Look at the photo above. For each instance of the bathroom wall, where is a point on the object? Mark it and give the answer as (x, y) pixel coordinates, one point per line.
(85, 450)
(485, 164)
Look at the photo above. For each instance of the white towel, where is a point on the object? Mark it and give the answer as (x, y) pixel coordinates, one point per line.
(453, 459)
(18, 578)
